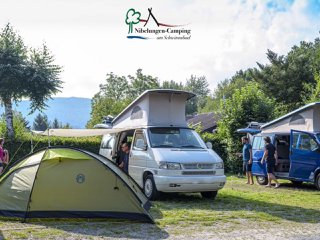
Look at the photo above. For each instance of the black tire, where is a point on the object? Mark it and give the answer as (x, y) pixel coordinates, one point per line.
(296, 183)
(209, 195)
(317, 181)
(261, 180)
(150, 189)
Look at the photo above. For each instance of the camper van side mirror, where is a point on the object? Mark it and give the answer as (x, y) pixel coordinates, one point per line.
(209, 145)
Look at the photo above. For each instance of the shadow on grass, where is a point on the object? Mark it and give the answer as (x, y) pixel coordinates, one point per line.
(83, 228)
(226, 202)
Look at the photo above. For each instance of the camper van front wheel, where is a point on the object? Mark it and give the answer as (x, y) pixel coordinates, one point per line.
(149, 188)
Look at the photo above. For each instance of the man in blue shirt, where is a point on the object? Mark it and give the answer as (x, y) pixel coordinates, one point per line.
(124, 161)
(247, 159)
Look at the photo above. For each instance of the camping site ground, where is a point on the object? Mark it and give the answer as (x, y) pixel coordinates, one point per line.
(239, 212)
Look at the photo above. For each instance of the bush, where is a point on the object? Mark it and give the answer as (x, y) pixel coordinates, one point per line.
(245, 105)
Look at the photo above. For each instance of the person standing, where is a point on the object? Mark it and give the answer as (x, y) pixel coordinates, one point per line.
(124, 161)
(247, 159)
(271, 157)
(3, 157)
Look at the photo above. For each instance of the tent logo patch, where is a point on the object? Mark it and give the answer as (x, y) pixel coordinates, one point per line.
(138, 29)
(80, 178)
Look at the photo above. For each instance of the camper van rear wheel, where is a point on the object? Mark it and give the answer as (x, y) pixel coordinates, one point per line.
(262, 180)
(149, 188)
(211, 195)
(317, 181)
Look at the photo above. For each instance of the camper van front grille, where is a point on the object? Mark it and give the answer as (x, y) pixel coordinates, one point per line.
(198, 173)
(197, 166)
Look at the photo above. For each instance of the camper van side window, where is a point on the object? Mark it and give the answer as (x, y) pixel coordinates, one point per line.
(110, 143)
(258, 143)
(105, 141)
(139, 142)
(304, 142)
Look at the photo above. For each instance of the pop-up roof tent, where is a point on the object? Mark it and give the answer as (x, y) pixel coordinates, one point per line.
(70, 183)
(306, 118)
(157, 107)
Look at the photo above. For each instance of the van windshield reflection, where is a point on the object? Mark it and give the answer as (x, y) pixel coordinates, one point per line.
(174, 138)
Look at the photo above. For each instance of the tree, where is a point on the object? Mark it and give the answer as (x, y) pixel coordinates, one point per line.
(116, 87)
(20, 125)
(289, 79)
(247, 104)
(103, 106)
(66, 126)
(55, 123)
(25, 73)
(200, 87)
(172, 85)
(226, 89)
(41, 123)
(140, 83)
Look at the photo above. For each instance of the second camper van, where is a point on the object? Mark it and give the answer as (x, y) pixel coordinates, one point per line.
(165, 155)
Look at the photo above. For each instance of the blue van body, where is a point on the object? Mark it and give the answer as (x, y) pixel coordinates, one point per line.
(298, 156)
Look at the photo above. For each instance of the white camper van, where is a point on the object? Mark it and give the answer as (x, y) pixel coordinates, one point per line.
(166, 155)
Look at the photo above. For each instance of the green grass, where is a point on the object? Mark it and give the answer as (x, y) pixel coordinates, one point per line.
(183, 215)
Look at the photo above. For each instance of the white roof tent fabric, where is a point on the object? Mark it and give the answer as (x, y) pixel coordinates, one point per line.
(157, 107)
(77, 132)
(306, 118)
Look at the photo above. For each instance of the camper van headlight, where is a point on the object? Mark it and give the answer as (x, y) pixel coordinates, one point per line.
(219, 165)
(170, 165)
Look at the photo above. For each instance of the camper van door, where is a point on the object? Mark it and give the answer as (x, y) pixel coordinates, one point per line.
(138, 157)
(305, 155)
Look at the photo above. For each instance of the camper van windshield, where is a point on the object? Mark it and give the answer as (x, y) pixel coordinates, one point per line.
(174, 138)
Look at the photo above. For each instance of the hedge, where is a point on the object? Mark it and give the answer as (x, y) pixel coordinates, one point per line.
(22, 146)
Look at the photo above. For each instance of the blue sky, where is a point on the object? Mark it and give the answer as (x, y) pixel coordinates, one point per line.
(88, 37)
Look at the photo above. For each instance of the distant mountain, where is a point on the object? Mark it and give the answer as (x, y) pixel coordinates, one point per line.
(73, 110)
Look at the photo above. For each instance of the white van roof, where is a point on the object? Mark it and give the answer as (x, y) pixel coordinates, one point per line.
(306, 118)
(156, 107)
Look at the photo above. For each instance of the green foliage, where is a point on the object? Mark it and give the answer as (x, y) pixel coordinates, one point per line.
(19, 123)
(22, 146)
(25, 73)
(288, 78)
(41, 122)
(247, 104)
(200, 87)
(140, 83)
(55, 124)
(172, 85)
(225, 89)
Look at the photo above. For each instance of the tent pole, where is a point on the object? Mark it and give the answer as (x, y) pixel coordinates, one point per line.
(48, 137)
(31, 142)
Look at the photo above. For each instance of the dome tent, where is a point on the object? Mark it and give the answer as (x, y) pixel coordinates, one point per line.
(59, 182)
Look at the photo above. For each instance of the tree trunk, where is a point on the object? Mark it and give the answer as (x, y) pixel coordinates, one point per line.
(9, 118)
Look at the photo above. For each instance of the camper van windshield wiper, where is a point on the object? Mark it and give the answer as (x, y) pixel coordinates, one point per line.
(191, 146)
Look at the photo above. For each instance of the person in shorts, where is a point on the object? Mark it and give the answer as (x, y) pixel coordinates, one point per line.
(270, 155)
(247, 159)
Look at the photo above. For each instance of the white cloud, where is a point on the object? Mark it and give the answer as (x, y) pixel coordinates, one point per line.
(89, 37)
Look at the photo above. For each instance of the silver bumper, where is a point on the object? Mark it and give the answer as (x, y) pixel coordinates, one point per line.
(189, 183)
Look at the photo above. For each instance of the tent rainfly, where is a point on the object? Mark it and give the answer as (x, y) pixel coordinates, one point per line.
(62, 182)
